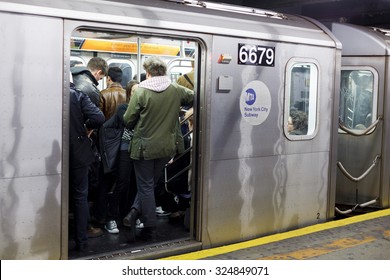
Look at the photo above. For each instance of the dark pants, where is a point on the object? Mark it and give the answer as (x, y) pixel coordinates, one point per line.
(78, 182)
(147, 172)
(125, 183)
(94, 172)
(115, 190)
(104, 200)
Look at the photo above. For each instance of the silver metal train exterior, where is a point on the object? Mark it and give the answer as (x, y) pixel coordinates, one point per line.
(250, 176)
(363, 154)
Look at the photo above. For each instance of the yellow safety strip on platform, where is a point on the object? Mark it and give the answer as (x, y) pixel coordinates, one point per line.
(308, 253)
(278, 237)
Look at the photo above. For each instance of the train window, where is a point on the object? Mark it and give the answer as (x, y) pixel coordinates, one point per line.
(129, 51)
(179, 66)
(77, 61)
(358, 97)
(301, 100)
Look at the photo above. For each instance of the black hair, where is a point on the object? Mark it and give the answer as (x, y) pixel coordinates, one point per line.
(115, 73)
(142, 78)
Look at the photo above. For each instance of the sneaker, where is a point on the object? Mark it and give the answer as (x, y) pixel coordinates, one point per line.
(111, 227)
(139, 224)
(94, 232)
(161, 213)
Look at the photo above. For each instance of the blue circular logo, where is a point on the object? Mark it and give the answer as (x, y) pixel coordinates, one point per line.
(255, 102)
(250, 98)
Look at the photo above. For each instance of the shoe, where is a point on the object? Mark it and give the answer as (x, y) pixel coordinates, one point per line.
(176, 218)
(149, 234)
(111, 227)
(161, 213)
(129, 221)
(94, 232)
(139, 224)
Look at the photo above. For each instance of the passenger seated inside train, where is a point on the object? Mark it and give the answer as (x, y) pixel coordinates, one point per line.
(297, 122)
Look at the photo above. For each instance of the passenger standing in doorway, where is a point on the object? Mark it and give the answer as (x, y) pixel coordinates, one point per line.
(126, 179)
(107, 202)
(114, 94)
(153, 114)
(84, 116)
(86, 79)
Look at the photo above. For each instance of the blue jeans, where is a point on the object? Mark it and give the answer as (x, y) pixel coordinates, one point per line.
(147, 173)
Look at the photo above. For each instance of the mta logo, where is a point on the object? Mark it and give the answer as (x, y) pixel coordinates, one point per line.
(250, 98)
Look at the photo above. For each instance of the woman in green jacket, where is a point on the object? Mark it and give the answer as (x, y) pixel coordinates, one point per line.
(153, 113)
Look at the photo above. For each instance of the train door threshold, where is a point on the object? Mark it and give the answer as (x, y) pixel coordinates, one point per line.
(151, 251)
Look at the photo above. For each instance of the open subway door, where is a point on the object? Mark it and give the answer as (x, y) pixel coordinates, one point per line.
(175, 190)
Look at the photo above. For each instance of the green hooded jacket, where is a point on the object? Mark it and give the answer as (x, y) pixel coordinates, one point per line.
(153, 113)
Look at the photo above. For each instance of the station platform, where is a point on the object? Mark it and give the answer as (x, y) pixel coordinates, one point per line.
(362, 237)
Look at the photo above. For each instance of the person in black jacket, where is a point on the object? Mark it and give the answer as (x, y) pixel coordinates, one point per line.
(84, 116)
(86, 79)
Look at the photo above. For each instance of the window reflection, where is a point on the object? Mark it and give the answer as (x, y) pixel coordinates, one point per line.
(356, 98)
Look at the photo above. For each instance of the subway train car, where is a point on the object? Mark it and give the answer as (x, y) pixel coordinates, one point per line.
(264, 141)
(363, 153)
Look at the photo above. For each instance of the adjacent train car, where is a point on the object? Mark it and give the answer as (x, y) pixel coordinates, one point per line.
(265, 132)
(363, 154)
